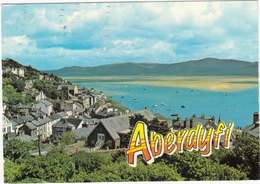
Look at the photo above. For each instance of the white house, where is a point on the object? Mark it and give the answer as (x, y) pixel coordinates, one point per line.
(42, 127)
(16, 71)
(39, 96)
(7, 125)
(45, 106)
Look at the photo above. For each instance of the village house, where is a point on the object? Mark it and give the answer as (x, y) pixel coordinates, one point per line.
(253, 129)
(29, 84)
(68, 91)
(109, 112)
(24, 109)
(179, 124)
(17, 71)
(20, 120)
(45, 106)
(65, 124)
(39, 96)
(41, 77)
(7, 125)
(112, 132)
(41, 126)
(83, 132)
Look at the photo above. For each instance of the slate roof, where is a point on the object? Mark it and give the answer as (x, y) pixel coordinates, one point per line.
(31, 126)
(83, 132)
(75, 121)
(68, 121)
(62, 124)
(92, 121)
(58, 115)
(22, 119)
(45, 102)
(119, 123)
(160, 116)
(24, 110)
(38, 114)
(196, 120)
(252, 130)
(26, 138)
(24, 107)
(204, 122)
(41, 121)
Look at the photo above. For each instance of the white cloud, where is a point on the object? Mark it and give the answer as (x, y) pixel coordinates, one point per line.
(141, 32)
(16, 45)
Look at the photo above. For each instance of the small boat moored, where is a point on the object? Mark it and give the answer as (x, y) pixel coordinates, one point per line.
(174, 114)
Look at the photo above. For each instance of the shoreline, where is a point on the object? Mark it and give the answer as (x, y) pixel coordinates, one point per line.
(211, 83)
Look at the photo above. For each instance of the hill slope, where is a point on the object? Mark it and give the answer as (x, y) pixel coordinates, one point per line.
(202, 67)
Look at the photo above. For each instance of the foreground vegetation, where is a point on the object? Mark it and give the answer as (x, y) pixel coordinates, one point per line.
(239, 163)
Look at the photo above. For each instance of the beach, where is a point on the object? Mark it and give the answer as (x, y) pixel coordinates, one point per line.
(213, 83)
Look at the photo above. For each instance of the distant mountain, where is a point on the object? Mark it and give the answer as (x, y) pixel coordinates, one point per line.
(202, 67)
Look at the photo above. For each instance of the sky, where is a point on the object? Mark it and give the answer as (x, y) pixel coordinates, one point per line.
(53, 36)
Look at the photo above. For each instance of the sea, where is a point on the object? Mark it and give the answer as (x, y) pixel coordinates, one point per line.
(235, 106)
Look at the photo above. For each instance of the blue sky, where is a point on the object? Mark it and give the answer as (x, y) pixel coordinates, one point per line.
(52, 36)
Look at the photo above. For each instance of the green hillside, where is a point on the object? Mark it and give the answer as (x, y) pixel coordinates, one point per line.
(202, 67)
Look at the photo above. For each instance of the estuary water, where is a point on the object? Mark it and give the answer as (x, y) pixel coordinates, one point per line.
(236, 106)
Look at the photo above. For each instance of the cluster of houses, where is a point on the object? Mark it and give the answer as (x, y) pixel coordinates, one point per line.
(78, 110)
(110, 132)
(88, 114)
(17, 71)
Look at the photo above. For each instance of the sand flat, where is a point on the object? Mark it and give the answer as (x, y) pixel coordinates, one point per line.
(215, 83)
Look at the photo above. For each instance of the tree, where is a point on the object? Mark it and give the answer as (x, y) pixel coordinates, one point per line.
(88, 162)
(230, 173)
(12, 171)
(247, 156)
(16, 149)
(137, 117)
(67, 138)
(157, 126)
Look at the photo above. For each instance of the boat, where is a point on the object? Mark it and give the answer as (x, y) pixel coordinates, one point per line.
(135, 100)
(163, 104)
(155, 105)
(174, 114)
(168, 109)
(183, 106)
(122, 97)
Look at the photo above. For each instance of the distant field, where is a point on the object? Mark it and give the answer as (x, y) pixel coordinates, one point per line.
(215, 83)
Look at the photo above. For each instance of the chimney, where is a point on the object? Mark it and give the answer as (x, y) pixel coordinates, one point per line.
(256, 117)
(185, 123)
(178, 118)
(191, 123)
(202, 116)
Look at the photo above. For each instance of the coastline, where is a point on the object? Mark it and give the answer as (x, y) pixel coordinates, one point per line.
(212, 83)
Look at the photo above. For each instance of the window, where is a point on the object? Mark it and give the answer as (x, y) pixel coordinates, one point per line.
(101, 137)
(109, 143)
